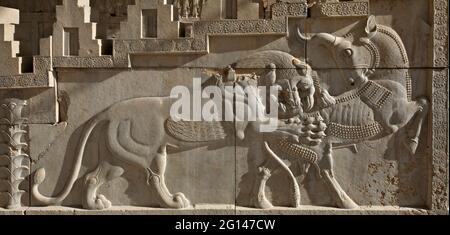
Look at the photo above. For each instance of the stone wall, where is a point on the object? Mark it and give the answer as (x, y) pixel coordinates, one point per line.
(85, 91)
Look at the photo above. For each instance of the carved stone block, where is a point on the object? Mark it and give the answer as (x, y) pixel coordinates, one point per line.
(213, 10)
(247, 9)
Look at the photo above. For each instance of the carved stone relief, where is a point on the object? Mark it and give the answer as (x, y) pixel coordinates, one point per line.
(13, 168)
(354, 99)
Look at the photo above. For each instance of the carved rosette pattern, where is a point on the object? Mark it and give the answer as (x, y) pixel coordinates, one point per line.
(440, 19)
(335, 9)
(284, 9)
(355, 132)
(439, 194)
(12, 168)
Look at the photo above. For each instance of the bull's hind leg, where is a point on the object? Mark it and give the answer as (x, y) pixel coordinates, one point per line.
(103, 173)
(420, 109)
(156, 177)
(341, 198)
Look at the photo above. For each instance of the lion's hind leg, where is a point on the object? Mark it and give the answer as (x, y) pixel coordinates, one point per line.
(261, 201)
(156, 178)
(281, 165)
(103, 173)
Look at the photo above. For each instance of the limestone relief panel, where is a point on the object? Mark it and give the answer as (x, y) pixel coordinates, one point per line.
(224, 107)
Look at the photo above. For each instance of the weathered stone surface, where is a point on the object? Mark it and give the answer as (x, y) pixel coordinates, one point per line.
(87, 124)
(42, 105)
(308, 210)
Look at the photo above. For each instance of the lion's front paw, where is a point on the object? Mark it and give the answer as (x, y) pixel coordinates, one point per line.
(181, 200)
(101, 203)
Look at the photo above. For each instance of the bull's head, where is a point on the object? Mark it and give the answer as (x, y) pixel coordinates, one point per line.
(355, 57)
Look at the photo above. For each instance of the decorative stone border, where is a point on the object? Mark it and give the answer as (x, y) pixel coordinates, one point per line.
(340, 9)
(439, 89)
(284, 9)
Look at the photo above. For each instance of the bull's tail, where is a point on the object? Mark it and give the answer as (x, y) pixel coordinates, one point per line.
(39, 175)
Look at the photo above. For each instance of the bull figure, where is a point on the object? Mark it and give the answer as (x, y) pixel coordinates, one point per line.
(380, 47)
(374, 108)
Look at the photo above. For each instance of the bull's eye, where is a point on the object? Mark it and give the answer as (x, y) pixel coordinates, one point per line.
(348, 52)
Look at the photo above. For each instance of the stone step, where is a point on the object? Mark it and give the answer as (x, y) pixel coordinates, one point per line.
(76, 14)
(9, 48)
(166, 27)
(9, 15)
(10, 64)
(7, 32)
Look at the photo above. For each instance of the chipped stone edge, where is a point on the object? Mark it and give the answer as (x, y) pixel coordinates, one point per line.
(229, 209)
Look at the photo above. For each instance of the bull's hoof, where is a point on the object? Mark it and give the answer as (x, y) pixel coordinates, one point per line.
(264, 204)
(348, 204)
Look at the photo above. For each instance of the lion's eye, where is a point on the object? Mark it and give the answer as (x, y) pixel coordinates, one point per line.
(348, 52)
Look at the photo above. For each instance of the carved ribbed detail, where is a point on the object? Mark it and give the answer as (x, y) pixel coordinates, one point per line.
(398, 41)
(375, 94)
(196, 131)
(374, 53)
(372, 93)
(354, 132)
(347, 97)
(295, 150)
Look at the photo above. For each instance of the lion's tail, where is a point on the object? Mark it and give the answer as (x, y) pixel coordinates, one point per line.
(39, 175)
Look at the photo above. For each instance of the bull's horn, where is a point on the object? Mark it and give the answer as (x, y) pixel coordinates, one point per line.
(301, 36)
(325, 38)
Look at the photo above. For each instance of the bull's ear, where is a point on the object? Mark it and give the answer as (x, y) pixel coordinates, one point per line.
(371, 27)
